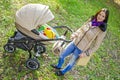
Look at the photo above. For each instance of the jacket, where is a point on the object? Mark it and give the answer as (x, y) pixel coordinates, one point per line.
(88, 39)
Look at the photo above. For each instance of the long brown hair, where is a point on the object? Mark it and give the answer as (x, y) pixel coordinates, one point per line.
(106, 14)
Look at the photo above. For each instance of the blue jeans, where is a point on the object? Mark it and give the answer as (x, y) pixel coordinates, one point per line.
(70, 49)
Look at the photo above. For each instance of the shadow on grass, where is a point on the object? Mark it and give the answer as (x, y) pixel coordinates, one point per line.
(12, 68)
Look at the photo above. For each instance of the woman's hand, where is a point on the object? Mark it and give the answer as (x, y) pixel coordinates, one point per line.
(82, 55)
(74, 35)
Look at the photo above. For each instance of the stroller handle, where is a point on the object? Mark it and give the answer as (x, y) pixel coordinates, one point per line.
(61, 39)
(64, 27)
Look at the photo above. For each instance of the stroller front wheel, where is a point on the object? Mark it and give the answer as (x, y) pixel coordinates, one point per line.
(32, 64)
(9, 48)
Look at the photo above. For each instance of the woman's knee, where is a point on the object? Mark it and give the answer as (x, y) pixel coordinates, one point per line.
(61, 57)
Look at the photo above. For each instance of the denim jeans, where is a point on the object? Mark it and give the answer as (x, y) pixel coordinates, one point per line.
(70, 49)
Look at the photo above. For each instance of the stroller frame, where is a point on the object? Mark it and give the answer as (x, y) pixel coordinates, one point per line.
(27, 20)
(27, 43)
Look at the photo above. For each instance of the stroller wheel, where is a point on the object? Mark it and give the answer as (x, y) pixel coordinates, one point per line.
(32, 64)
(39, 48)
(9, 48)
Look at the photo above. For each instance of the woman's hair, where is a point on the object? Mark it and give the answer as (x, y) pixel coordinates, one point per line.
(106, 14)
(103, 27)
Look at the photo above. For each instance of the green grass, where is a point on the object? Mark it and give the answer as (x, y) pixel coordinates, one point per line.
(73, 13)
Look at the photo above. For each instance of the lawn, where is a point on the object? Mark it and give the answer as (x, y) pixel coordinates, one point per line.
(104, 65)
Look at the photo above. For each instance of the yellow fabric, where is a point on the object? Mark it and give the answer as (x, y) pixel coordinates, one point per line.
(49, 33)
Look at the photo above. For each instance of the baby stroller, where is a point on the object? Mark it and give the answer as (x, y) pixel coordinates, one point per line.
(29, 20)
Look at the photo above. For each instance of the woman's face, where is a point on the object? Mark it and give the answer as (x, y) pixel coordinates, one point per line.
(101, 16)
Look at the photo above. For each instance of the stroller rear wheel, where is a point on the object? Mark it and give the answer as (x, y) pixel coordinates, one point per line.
(32, 64)
(9, 48)
(39, 48)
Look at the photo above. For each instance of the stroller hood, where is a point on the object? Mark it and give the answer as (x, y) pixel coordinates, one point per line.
(32, 15)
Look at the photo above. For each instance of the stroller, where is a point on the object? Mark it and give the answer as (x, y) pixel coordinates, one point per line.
(29, 20)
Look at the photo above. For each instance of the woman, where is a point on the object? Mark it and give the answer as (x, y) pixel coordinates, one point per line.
(86, 40)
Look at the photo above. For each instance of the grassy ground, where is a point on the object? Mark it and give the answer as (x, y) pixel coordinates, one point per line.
(105, 65)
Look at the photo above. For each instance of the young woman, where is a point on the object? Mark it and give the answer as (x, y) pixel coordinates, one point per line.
(86, 40)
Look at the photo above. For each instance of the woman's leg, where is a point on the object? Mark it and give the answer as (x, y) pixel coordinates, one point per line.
(72, 61)
(69, 49)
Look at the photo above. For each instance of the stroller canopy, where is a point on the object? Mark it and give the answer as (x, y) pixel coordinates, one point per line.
(32, 15)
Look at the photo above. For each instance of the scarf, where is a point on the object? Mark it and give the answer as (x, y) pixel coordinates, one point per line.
(101, 25)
